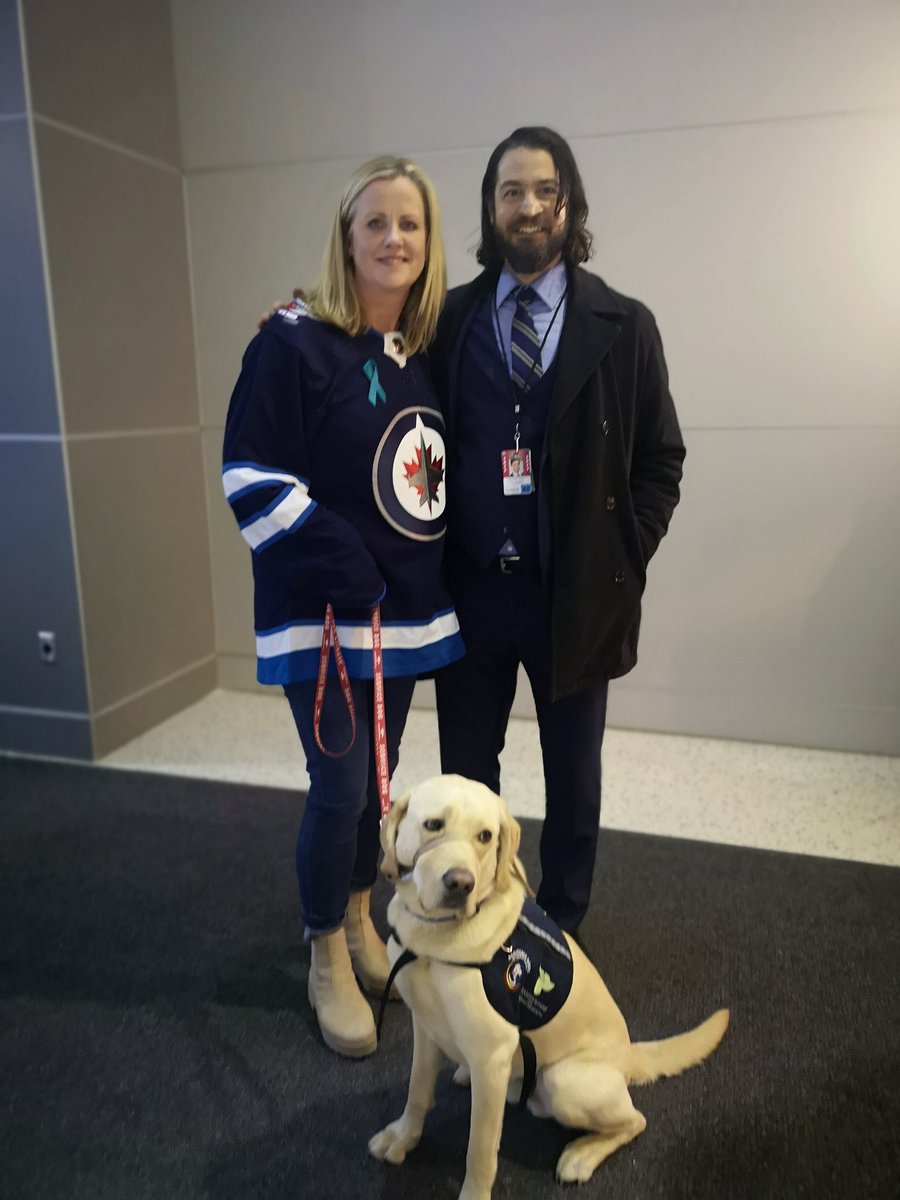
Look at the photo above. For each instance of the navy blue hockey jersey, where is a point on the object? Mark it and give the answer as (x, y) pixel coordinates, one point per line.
(333, 464)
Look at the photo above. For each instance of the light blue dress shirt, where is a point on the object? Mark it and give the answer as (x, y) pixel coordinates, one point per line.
(550, 289)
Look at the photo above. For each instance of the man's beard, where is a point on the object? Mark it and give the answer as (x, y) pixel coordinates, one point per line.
(526, 259)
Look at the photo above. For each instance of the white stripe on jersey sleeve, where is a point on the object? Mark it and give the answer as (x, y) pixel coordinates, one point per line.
(292, 509)
(238, 478)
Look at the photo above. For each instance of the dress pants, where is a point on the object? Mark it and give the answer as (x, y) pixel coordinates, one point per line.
(505, 620)
(338, 843)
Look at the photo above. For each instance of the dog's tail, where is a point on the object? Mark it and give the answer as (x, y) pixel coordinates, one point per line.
(671, 1056)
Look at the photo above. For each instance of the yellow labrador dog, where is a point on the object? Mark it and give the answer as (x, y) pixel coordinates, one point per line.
(450, 847)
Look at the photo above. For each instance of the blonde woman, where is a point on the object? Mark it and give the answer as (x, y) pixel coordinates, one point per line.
(334, 468)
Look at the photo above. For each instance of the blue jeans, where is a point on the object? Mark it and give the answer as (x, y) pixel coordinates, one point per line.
(337, 846)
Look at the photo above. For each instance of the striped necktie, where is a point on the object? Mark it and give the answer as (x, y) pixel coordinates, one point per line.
(525, 343)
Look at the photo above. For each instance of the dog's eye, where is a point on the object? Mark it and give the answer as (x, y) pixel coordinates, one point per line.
(485, 836)
(434, 825)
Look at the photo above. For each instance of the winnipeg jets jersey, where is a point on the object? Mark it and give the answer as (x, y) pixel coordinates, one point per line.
(333, 464)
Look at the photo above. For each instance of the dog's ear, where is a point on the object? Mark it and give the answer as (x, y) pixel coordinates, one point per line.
(389, 836)
(507, 851)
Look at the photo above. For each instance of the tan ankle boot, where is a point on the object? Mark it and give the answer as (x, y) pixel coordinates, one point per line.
(345, 1019)
(367, 952)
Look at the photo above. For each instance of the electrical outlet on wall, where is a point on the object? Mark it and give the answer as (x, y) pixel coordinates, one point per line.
(47, 645)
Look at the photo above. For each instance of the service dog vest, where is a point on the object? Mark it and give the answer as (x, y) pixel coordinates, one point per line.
(529, 978)
(527, 981)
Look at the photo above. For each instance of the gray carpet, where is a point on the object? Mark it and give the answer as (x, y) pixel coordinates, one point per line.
(155, 1040)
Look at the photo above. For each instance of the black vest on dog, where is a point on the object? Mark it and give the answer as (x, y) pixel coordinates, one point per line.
(527, 981)
(529, 978)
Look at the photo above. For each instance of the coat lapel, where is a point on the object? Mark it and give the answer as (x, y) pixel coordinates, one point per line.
(593, 322)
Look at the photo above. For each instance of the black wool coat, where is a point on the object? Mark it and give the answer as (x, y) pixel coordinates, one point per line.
(609, 477)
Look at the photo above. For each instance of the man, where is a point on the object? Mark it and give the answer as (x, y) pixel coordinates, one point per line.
(539, 361)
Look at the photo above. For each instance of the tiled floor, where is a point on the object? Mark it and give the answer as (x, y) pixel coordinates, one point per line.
(781, 798)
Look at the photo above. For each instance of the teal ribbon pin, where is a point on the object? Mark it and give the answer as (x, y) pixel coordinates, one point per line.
(376, 391)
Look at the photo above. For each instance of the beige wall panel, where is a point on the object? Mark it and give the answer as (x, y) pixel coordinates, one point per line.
(117, 251)
(771, 607)
(106, 67)
(143, 552)
(254, 236)
(769, 255)
(122, 722)
(238, 672)
(273, 81)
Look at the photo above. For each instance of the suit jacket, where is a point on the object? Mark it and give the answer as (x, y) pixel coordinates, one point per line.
(609, 477)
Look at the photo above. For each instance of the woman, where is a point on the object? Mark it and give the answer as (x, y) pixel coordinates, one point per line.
(333, 465)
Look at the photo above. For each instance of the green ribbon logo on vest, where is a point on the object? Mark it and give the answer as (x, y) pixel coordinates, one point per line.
(544, 982)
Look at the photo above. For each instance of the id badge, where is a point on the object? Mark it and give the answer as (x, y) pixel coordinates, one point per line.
(515, 467)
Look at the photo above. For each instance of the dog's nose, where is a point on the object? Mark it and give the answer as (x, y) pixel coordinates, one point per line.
(458, 884)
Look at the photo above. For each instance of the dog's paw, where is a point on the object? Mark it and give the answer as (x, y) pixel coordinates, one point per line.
(462, 1077)
(471, 1192)
(577, 1163)
(392, 1144)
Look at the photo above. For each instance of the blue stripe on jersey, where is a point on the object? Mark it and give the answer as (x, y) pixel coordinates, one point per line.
(291, 652)
(304, 664)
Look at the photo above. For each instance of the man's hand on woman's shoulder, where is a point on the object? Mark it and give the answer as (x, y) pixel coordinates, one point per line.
(298, 294)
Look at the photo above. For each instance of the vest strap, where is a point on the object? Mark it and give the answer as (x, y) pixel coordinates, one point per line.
(529, 1056)
(406, 957)
(529, 1062)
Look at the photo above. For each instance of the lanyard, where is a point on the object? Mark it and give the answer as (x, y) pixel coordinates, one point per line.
(518, 393)
(329, 639)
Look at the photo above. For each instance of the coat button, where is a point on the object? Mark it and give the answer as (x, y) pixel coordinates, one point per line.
(604, 428)
(620, 576)
(610, 503)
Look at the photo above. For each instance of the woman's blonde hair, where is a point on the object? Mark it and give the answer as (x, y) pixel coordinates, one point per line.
(333, 296)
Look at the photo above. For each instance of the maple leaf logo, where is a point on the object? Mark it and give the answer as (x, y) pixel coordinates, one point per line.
(425, 473)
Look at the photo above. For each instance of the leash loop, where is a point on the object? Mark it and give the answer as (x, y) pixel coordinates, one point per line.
(380, 731)
(331, 641)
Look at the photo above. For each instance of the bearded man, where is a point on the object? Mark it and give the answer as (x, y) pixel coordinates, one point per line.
(565, 459)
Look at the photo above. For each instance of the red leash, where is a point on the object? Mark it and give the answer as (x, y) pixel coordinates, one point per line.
(329, 639)
(381, 754)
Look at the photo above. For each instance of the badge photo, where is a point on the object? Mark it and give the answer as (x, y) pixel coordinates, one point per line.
(515, 467)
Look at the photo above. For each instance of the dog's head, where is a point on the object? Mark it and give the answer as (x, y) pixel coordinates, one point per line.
(451, 842)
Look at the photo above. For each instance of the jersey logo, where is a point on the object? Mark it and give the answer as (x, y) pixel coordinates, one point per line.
(425, 473)
(408, 474)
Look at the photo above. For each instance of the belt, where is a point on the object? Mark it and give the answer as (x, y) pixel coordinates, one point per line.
(509, 564)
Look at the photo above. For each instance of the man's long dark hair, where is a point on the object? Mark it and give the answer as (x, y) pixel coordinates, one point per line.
(577, 247)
